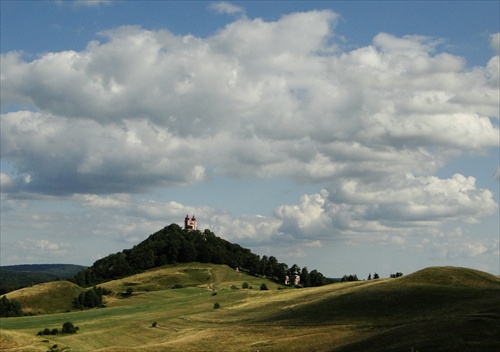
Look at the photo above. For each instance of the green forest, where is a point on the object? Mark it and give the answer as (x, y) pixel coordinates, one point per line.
(173, 245)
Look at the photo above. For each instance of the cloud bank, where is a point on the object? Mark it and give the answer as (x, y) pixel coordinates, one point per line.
(144, 110)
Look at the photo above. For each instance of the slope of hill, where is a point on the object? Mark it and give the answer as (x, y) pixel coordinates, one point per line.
(16, 276)
(46, 298)
(201, 275)
(422, 311)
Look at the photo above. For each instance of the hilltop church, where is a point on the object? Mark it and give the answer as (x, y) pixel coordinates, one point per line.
(190, 224)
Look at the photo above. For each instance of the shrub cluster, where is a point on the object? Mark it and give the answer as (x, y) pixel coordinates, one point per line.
(67, 328)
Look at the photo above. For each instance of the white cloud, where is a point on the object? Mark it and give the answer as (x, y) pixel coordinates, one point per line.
(224, 7)
(116, 201)
(5, 181)
(396, 204)
(43, 247)
(460, 244)
(91, 3)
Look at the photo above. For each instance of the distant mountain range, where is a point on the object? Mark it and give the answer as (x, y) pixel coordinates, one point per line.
(13, 277)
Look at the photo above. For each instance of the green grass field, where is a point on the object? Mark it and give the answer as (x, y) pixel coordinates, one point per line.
(436, 309)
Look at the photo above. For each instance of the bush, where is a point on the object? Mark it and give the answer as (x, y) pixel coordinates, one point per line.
(68, 328)
(54, 331)
(263, 287)
(245, 285)
(154, 324)
(177, 286)
(216, 305)
(233, 287)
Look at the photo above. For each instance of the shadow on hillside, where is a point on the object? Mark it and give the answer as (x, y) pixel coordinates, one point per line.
(472, 333)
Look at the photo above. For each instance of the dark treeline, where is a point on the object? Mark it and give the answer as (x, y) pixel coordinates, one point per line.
(91, 298)
(10, 308)
(174, 245)
(14, 277)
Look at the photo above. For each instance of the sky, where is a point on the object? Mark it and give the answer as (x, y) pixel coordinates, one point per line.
(347, 137)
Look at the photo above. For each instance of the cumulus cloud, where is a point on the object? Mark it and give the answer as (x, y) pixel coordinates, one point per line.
(149, 108)
(43, 247)
(82, 156)
(402, 204)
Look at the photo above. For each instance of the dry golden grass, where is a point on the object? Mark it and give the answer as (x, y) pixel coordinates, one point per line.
(46, 298)
(19, 342)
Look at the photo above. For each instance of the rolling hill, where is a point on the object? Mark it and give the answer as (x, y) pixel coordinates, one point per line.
(46, 298)
(435, 309)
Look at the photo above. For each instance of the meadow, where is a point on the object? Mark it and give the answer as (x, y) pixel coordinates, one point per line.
(436, 309)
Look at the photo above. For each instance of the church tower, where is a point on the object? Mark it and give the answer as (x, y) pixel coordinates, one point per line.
(190, 224)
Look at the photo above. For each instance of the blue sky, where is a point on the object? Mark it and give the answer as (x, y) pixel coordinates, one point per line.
(350, 137)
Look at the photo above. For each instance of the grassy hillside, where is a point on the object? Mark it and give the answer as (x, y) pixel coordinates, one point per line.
(46, 298)
(188, 275)
(436, 309)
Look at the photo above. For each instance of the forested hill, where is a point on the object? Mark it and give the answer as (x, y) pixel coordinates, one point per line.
(176, 245)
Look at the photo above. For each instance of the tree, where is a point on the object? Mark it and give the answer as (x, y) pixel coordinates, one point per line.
(91, 298)
(369, 276)
(317, 279)
(263, 287)
(350, 278)
(68, 328)
(10, 308)
(216, 305)
(375, 276)
(245, 285)
(305, 278)
(272, 267)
